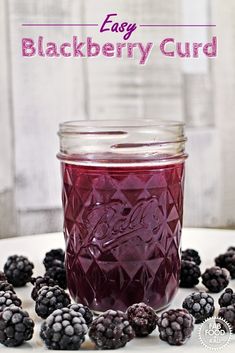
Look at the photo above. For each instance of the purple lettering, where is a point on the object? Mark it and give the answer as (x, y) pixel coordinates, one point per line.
(51, 50)
(108, 49)
(28, 48)
(62, 49)
(131, 28)
(144, 52)
(40, 46)
(210, 49)
(186, 53)
(103, 29)
(93, 49)
(163, 45)
(77, 47)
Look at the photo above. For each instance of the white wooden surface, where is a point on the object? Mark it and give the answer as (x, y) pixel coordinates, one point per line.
(206, 241)
(36, 94)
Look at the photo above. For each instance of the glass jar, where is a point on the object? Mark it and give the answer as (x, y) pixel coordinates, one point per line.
(122, 197)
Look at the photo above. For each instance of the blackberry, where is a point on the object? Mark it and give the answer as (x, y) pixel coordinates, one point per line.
(15, 326)
(175, 326)
(40, 282)
(2, 276)
(189, 274)
(200, 305)
(215, 279)
(142, 318)
(4, 286)
(191, 255)
(227, 298)
(58, 273)
(84, 311)
(18, 270)
(8, 298)
(50, 299)
(228, 314)
(54, 254)
(231, 248)
(64, 329)
(227, 261)
(111, 330)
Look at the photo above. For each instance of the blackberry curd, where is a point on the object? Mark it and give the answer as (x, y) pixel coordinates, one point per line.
(123, 206)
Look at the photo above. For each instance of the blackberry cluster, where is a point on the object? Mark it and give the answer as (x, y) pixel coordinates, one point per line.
(64, 329)
(18, 270)
(15, 326)
(189, 274)
(54, 254)
(227, 298)
(40, 282)
(227, 261)
(2, 276)
(4, 286)
(8, 298)
(142, 318)
(191, 255)
(50, 299)
(111, 330)
(215, 279)
(200, 305)
(175, 326)
(58, 273)
(84, 311)
(228, 314)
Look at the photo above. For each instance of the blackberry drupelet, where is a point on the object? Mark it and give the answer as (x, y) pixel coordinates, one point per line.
(200, 305)
(18, 270)
(191, 255)
(15, 326)
(50, 299)
(8, 298)
(54, 254)
(142, 318)
(58, 273)
(228, 314)
(227, 261)
(175, 326)
(227, 298)
(189, 274)
(4, 286)
(111, 330)
(215, 279)
(40, 282)
(84, 311)
(64, 329)
(2, 276)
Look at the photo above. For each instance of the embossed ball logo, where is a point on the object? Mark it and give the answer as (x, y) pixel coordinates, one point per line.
(215, 333)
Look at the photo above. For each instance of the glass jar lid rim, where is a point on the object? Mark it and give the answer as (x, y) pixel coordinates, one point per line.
(72, 125)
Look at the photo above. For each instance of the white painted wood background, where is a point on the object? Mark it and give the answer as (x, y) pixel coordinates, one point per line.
(36, 94)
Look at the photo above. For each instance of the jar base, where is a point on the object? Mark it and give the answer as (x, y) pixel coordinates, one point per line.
(97, 313)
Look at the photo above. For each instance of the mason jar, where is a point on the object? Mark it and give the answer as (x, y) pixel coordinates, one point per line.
(123, 187)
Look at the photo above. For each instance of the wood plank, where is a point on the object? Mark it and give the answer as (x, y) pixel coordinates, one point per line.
(203, 179)
(125, 88)
(45, 92)
(6, 143)
(7, 206)
(224, 93)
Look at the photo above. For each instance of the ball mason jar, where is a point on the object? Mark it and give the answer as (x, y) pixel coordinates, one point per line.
(123, 186)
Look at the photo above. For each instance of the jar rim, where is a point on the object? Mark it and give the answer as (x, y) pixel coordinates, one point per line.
(73, 125)
(122, 141)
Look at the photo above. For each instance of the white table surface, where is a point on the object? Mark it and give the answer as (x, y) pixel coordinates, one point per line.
(208, 242)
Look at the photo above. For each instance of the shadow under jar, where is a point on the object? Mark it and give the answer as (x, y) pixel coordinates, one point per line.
(123, 206)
